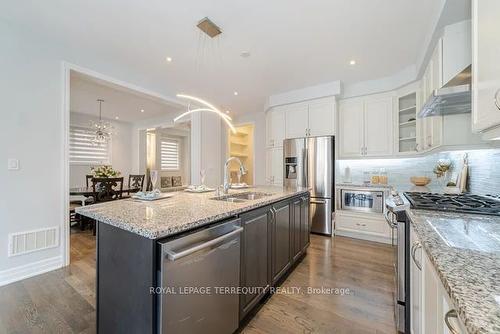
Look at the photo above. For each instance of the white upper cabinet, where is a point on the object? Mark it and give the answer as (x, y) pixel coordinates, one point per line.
(297, 120)
(351, 120)
(366, 126)
(321, 117)
(485, 64)
(313, 118)
(275, 127)
(378, 127)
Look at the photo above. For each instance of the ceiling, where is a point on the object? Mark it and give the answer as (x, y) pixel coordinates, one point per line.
(293, 43)
(118, 102)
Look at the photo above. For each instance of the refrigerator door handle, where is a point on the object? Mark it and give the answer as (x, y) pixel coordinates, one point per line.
(315, 201)
(305, 171)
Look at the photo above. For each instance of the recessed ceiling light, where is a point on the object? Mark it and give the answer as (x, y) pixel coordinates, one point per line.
(245, 54)
(117, 117)
(227, 111)
(169, 59)
(352, 62)
(235, 93)
(142, 110)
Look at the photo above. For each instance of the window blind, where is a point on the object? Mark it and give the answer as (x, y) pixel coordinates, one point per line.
(83, 151)
(169, 153)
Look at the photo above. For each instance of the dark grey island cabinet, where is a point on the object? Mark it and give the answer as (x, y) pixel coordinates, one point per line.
(272, 240)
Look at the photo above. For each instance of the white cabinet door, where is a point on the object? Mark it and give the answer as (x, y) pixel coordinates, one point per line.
(277, 166)
(378, 127)
(269, 166)
(416, 284)
(485, 64)
(431, 298)
(275, 127)
(297, 120)
(351, 128)
(274, 166)
(321, 117)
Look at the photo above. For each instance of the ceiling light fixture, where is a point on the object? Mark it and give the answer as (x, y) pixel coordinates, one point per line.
(210, 108)
(142, 110)
(116, 117)
(245, 54)
(352, 62)
(209, 28)
(169, 59)
(227, 111)
(235, 93)
(102, 129)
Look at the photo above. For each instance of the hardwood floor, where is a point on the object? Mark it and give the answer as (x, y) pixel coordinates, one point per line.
(365, 268)
(63, 301)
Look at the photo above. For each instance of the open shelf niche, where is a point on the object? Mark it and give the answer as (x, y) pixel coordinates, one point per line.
(240, 145)
(407, 122)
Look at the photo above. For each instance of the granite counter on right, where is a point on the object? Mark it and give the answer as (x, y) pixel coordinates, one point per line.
(464, 250)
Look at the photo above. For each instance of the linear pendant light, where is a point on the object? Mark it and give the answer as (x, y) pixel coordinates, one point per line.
(210, 108)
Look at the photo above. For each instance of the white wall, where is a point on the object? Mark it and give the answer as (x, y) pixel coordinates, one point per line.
(121, 153)
(31, 91)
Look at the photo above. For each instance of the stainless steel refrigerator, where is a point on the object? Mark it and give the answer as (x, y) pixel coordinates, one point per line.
(310, 162)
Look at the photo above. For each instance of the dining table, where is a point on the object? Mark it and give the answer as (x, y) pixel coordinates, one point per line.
(89, 191)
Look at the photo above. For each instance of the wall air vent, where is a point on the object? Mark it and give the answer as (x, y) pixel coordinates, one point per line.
(32, 241)
(209, 28)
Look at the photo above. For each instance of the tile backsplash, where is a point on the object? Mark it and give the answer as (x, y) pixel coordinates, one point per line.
(484, 170)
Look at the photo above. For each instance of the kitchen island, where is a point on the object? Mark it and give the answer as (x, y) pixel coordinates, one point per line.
(270, 235)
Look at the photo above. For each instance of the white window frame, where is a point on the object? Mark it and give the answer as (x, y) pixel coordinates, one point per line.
(179, 154)
(96, 162)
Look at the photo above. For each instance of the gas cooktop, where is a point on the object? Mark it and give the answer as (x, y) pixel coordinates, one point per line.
(464, 203)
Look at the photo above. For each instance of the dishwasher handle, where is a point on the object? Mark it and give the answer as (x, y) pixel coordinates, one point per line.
(173, 256)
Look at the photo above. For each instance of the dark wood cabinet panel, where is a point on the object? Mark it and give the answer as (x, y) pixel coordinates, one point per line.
(305, 223)
(281, 233)
(254, 258)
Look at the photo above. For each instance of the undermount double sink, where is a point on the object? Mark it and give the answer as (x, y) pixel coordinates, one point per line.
(241, 197)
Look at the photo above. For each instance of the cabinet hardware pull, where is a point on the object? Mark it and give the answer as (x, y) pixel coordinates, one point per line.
(451, 314)
(416, 245)
(497, 103)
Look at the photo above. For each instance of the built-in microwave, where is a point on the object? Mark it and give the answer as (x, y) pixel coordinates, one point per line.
(362, 200)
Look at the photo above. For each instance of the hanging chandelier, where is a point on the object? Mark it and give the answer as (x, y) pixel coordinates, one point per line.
(102, 129)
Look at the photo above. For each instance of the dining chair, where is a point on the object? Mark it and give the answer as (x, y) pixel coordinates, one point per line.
(107, 188)
(88, 180)
(135, 183)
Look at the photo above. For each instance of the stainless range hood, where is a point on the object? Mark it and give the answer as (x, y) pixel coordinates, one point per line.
(453, 98)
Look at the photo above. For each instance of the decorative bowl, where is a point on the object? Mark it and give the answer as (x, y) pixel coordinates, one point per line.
(420, 180)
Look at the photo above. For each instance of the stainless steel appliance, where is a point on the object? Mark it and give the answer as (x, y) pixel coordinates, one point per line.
(192, 267)
(396, 218)
(364, 200)
(310, 162)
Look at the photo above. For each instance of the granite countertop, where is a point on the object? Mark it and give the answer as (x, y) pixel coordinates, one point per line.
(181, 212)
(465, 251)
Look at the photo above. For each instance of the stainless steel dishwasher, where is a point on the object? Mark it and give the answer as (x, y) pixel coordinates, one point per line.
(195, 271)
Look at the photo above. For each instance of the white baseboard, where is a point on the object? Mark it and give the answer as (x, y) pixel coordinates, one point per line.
(29, 270)
(363, 236)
